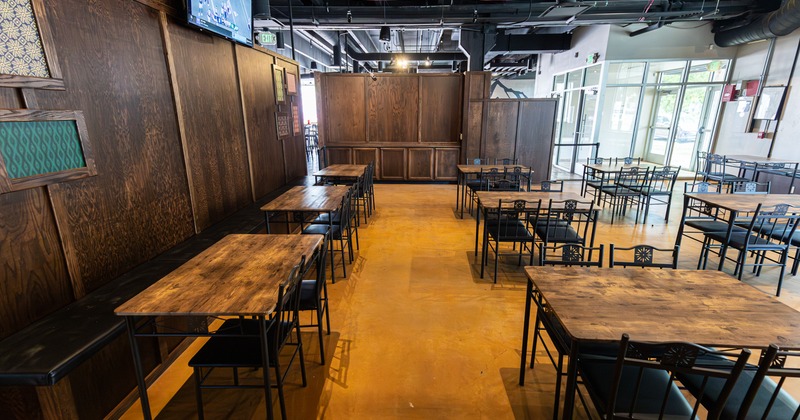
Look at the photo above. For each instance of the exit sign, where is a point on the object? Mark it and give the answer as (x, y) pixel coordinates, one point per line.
(267, 38)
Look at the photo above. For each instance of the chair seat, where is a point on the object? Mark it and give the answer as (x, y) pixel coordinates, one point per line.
(654, 191)
(597, 372)
(707, 225)
(226, 351)
(325, 218)
(508, 231)
(726, 178)
(560, 235)
(308, 295)
(738, 238)
(783, 407)
(319, 229)
(619, 191)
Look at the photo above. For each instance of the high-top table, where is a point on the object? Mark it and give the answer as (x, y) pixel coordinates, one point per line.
(340, 171)
(467, 171)
(768, 165)
(308, 199)
(237, 276)
(705, 307)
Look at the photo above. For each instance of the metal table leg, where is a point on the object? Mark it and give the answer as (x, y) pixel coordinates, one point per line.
(525, 330)
(137, 366)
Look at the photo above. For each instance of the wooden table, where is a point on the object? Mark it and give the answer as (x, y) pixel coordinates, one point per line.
(705, 307)
(237, 276)
(349, 172)
(771, 165)
(308, 199)
(467, 171)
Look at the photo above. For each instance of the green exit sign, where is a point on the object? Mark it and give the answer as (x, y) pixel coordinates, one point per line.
(267, 38)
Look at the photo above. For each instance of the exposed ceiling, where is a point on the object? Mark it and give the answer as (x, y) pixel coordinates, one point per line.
(502, 36)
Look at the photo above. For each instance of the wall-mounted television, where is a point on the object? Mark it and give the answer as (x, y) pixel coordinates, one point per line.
(232, 19)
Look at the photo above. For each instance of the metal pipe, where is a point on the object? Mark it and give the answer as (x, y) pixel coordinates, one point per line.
(291, 28)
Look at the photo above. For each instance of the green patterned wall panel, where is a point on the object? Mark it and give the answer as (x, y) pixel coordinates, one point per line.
(21, 51)
(39, 147)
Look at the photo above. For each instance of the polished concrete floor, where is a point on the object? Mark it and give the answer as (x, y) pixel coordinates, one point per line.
(416, 333)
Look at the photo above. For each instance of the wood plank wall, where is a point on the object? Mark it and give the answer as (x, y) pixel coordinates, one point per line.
(408, 124)
(182, 125)
(521, 129)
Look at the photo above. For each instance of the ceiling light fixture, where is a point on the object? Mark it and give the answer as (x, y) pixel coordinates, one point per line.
(427, 61)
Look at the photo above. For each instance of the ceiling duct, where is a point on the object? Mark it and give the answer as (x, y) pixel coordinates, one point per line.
(261, 9)
(778, 23)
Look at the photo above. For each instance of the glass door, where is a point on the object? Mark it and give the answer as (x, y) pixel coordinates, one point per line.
(585, 135)
(695, 124)
(565, 150)
(661, 126)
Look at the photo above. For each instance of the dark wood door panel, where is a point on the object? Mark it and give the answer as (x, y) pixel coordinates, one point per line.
(446, 161)
(472, 141)
(535, 136)
(393, 164)
(393, 108)
(501, 129)
(440, 98)
(345, 120)
(420, 164)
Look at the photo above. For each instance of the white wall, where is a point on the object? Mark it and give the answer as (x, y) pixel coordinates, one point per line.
(682, 40)
(585, 41)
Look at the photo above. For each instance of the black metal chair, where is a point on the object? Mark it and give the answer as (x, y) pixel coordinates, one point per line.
(519, 178)
(701, 218)
(546, 321)
(237, 344)
(640, 383)
(627, 160)
(755, 395)
(567, 222)
(511, 222)
(720, 168)
(550, 186)
(658, 190)
(751, 187)
(477, 161)
(505, 161)
(625, 191)
(314, 297)
(485, 181)
(341, 228)
(644, 256)
(768, 231)
(590, 178)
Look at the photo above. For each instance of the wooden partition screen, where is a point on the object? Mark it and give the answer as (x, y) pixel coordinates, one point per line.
(522, 129)
(409, 124)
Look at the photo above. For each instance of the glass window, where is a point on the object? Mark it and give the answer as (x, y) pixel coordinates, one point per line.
(574, 79)
(625, 73)
(704, 71)
(666, 72)
(558, 82)
(618, 120)
(593, 75)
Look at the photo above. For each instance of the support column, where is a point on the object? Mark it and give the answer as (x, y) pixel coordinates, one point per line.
(476, 42)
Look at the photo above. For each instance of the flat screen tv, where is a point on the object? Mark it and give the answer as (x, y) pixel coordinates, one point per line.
(232, 19)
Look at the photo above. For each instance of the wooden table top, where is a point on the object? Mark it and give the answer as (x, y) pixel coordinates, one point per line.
(239, 275)
(704, 307)
(759, 159)
(745, 202)
(476, 169)
(615, 168)
(341, 170)
(489, 199)
(308, 198)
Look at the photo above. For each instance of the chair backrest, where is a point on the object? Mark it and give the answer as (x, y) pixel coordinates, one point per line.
(321, 266)
(627, 160)
(550, 185)
(663, 179)
(751, 187)
(286, 309)
(477, 161)
(702, 187)
(513, 220)
(778, 222)
(347, 209)
(701, 164)
(505, 161)
(571, 254)
(766, 397)
(644, 256)
(631, 178)
(568, 221)
(597, 160)
(636, 359)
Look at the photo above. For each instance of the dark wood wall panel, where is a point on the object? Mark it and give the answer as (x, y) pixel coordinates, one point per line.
(33, 278)
(440, 111)
(393, 112)
(446, 162)
(138, 204)
(472, 138)
(266, 155)
(420, 164)
(214, 132)
(365, 156)
(339, 155)
(393, 164)
(501, 130)
(535, 136)
(345, 120)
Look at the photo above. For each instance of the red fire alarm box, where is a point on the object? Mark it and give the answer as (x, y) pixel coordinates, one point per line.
(729, 93)
(751, 88)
